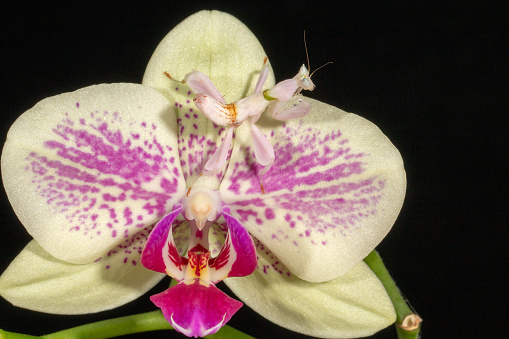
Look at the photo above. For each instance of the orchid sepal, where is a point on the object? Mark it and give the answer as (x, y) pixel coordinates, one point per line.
(351, 306)
(37, 281)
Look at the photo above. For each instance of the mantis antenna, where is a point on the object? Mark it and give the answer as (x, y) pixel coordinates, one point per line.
(307, 58)
(306, 48)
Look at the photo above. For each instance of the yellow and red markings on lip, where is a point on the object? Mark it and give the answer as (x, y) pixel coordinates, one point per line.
(199, 264)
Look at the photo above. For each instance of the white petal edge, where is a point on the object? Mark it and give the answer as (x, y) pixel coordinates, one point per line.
(37, 281)
(119, 171)
(319, 228)
(351, 306)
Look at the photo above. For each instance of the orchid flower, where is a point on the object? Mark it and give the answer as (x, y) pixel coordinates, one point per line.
(89, 173)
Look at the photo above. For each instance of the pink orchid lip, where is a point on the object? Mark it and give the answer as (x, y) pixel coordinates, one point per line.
(194, 309)
(195, 306)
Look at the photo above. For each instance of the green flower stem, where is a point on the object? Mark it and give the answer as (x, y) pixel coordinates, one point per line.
(403, 311)
(13, 335)
(143, 322)
(150, 321)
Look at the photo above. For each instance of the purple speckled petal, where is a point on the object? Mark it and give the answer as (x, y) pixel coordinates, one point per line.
(196, 310)
(333, 193)
(160, 253)
(38, 281)
(88, 169)
(226, 51)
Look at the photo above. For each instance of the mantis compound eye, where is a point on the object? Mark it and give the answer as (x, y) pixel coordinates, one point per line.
(307, 84)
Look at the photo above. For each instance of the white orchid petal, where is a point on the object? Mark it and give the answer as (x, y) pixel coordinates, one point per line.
(351, 306)
(224, 49)
(37, 281)
(86, 170)
(333, 193)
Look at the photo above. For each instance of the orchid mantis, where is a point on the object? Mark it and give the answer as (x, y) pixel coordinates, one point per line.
(280, 100)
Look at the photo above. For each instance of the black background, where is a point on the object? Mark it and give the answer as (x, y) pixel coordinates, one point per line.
(433, 77)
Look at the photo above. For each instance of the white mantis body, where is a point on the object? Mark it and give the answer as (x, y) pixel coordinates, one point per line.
(212, 104)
